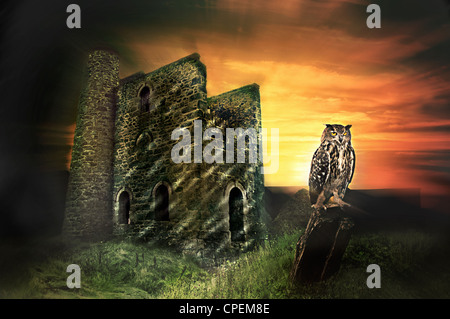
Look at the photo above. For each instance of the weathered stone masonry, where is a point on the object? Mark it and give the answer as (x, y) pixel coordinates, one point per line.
(123, 180)
(89, 197)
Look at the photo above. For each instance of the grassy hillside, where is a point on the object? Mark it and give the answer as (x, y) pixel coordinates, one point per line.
(108, 270)
(414, 264)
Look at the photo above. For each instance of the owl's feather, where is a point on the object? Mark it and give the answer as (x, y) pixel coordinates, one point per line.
(332, 166)
(320, 170)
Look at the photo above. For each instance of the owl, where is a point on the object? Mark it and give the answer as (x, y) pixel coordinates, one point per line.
(332, 167)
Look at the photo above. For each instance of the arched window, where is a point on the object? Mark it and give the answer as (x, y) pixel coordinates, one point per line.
(162, 203)
(144, 140)
(124, 208)
(236, 212)
(145, 99)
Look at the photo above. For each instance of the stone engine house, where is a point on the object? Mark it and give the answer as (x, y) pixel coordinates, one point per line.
(123, 181)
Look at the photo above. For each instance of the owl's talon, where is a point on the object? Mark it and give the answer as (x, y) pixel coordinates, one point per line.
(319, 207)
(344, 205)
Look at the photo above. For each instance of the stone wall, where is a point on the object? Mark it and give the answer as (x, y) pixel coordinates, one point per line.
(123, 179)
(143, 146)
(198, 192)
(239, 108)
(89, 197)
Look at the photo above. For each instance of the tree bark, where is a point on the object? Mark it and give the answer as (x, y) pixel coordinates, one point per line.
(320, 249)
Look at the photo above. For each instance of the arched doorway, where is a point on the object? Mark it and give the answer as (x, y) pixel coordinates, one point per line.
(162, 203)
(124, 208)
(236, 214)
(145, 98)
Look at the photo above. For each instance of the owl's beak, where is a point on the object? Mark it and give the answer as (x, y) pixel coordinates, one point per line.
(340, 139)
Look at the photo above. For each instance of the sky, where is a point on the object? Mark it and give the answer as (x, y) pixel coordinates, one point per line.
(315, 61)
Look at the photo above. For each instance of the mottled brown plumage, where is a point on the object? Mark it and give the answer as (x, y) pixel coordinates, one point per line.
(332, 167)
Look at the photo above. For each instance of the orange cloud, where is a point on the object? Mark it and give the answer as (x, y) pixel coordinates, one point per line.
(317, 63)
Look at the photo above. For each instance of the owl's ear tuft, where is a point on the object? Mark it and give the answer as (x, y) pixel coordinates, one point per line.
(328, 125)
(347, 127)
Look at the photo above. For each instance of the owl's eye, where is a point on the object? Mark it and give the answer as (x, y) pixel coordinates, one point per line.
(345, 133)
(333, 133)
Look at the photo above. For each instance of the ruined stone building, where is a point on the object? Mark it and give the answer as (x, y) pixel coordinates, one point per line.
(123, 181)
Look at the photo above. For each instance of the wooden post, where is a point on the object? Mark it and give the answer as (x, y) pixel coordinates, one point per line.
(320, 249)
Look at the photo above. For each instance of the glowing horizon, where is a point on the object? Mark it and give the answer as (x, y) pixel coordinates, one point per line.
(317, 63)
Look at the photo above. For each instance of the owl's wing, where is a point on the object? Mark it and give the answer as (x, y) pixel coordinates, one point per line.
(320, 170)
(351, 164)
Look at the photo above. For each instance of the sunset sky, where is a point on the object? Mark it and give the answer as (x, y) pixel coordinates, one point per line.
(315, 61)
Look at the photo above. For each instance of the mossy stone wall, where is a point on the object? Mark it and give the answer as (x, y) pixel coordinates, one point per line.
(89, 197)
(123, 144)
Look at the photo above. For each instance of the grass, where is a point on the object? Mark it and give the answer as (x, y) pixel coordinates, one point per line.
(404, 258)
(108, 270)
(258, 274)
(414, 264)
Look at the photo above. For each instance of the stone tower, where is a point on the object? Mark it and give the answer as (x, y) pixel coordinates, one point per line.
(89, 197)
(123, 180)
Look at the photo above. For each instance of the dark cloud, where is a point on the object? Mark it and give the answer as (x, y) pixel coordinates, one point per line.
(419, 157)
(439, 107)
(432, 168)
(433, 60)
(435, 128)
(429, 128)
(433, 164)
